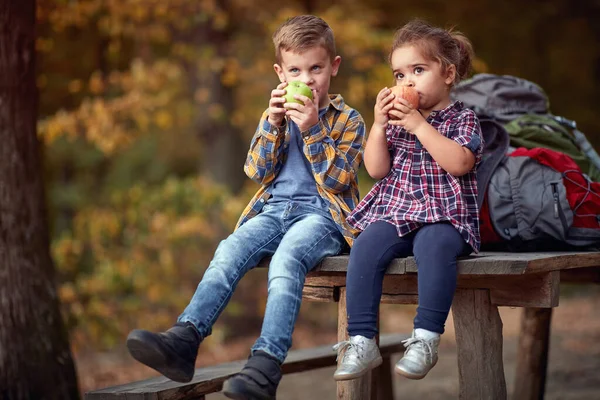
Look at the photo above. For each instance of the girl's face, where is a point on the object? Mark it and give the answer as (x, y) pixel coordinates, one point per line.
(411, 68)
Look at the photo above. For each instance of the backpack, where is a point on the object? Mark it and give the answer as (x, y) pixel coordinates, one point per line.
(538, 199)
(522, 107)
(555, 133)
(501, 97)
(496, 144)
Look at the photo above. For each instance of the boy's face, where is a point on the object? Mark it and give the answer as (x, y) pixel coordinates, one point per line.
(314, 67)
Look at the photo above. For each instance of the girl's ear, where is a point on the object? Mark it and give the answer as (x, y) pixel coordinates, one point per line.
(279, 72)
(450, 74)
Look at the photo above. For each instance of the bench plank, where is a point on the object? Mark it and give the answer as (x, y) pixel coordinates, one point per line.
(322, 294)
(210, 379)
(553, 261)
(532, 290)
(484, 263)
(525, 290)
(581, 275)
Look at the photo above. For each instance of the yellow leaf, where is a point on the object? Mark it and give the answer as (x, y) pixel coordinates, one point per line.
(67, 293)
(163, 119)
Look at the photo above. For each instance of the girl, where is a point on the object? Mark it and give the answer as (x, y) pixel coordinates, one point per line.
(425, 202)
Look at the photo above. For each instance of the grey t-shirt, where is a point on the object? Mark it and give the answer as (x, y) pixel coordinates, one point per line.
(295, 181)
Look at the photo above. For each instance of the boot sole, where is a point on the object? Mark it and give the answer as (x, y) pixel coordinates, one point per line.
(146, 350)
(408, 375)
(372, 365)
(238, 391)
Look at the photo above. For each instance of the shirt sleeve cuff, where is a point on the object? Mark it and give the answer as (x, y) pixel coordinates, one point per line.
(314, 134)
(271, 131)
(473, 144)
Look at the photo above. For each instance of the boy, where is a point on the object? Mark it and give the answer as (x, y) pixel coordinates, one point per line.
(306, 157)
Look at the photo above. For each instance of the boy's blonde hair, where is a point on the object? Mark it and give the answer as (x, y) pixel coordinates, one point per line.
(445, 46)
(301, 33)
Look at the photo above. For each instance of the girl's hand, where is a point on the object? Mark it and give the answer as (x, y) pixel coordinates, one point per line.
(383, 105)
(276, 110)
(406, 116)
(304, 115)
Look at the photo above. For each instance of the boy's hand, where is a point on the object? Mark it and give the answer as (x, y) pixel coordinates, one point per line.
(276, 110)
(383, 105)
(304, 115)
(406, 116)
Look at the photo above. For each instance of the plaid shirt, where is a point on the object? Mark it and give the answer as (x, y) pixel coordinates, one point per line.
(417, 190)
(334, 147)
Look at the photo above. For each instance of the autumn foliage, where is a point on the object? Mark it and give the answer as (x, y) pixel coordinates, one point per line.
(148, 106)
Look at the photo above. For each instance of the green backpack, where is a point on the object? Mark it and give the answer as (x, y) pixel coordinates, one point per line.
(555, 133)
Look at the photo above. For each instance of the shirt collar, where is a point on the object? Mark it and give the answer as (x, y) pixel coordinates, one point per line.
(450, 110)
(336, 101)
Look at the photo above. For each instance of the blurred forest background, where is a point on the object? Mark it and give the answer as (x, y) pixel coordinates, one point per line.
(147, 108)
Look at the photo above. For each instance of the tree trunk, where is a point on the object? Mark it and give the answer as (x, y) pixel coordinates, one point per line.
(35, 359)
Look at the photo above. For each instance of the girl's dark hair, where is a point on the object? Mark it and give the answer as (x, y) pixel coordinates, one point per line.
(449, 47)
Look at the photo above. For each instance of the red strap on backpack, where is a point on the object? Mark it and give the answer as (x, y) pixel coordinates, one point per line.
(583, 195)
(486, 229)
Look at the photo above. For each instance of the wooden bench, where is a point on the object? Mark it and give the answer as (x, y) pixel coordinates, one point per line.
(210, 379)
(485, 281)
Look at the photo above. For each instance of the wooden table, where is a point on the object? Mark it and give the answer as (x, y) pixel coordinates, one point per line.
(485, 281)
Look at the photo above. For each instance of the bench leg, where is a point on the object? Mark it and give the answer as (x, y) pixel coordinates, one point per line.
(385, 389)
(479, 346)
(532, 355)
(375, 373)
(355, 389)
(381, 377)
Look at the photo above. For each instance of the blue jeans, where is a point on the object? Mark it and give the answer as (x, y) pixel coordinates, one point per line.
(297, 237)
(435, 247)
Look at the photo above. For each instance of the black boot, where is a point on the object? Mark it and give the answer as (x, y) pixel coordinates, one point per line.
(258, 380)
(172, 353)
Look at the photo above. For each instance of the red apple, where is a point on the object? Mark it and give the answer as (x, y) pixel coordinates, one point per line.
(407, 92)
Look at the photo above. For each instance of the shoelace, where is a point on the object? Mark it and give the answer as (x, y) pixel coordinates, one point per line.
(427, 353)
(352, 349)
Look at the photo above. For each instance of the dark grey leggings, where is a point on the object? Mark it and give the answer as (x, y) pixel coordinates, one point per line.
(435, 247)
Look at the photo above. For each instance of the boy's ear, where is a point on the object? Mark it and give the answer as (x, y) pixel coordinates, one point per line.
(279, 72)
(450, 74)
(335, 65)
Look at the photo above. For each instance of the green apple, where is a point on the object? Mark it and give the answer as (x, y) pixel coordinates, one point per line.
(297, 87)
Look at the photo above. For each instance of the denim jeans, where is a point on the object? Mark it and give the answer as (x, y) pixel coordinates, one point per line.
(435, 247)
(297, 237)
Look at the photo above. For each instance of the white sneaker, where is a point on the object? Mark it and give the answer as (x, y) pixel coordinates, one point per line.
(361, 356)
(420, 356)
